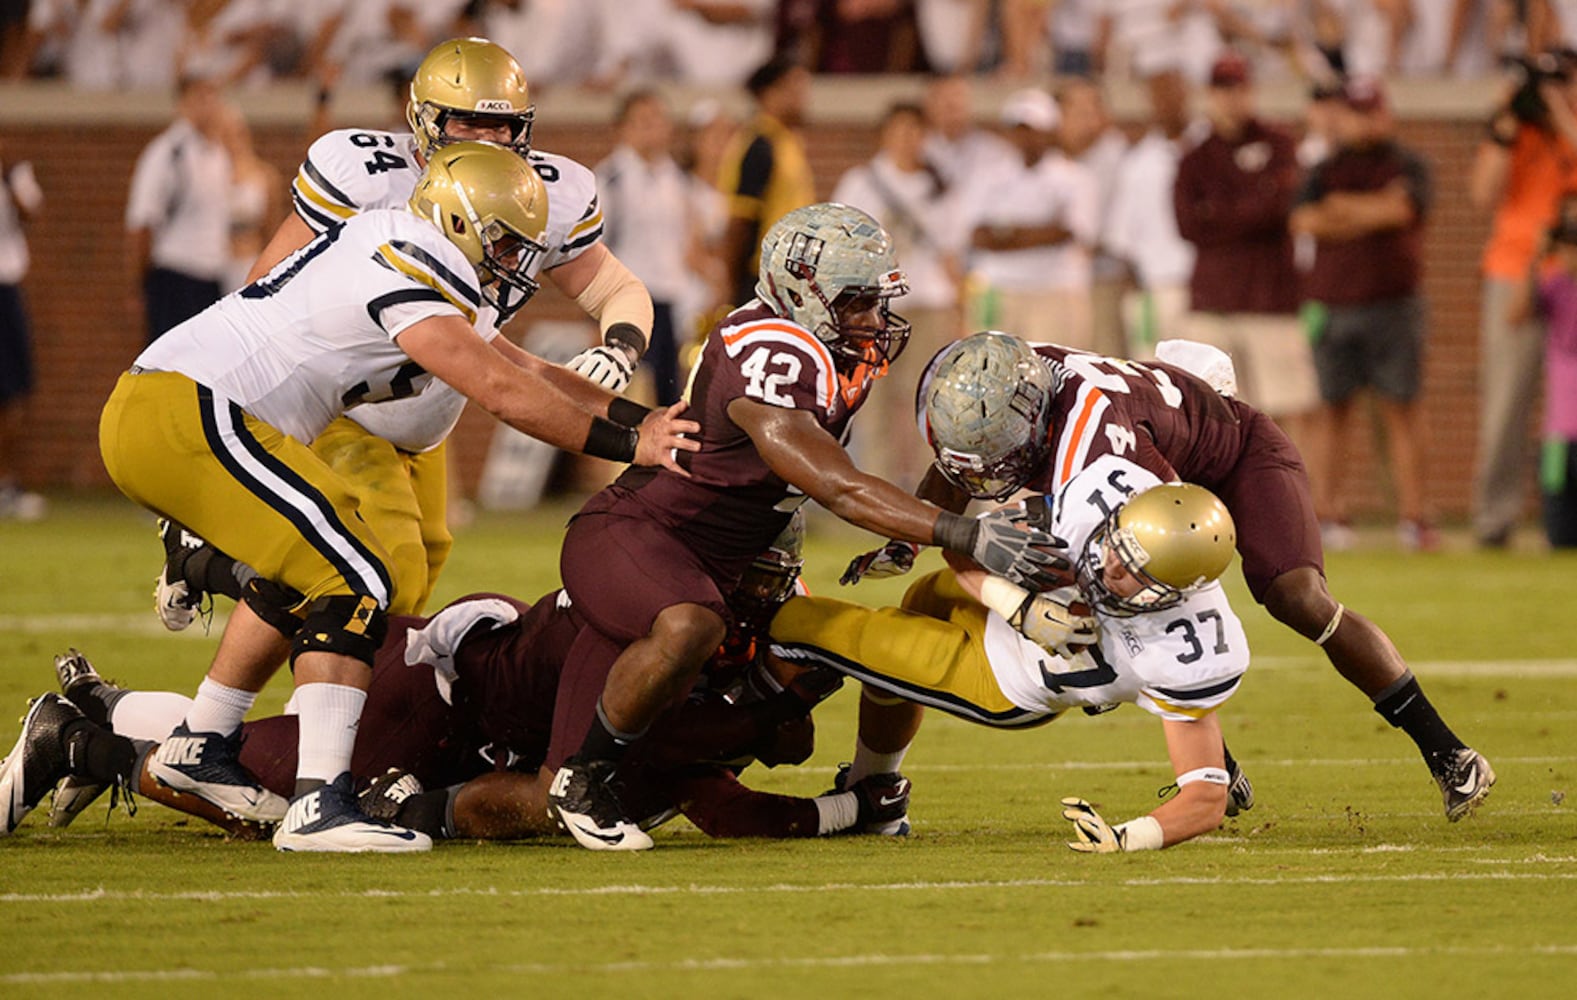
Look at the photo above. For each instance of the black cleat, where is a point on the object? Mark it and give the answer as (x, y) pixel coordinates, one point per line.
(1240, 791)
(883, 801)
(384, 797)
(1464, 782)
(38, 761)
(586, 805)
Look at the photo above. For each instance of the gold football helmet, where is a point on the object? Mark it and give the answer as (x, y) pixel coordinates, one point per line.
(1173, 539)
(469, 79)
(494, 207)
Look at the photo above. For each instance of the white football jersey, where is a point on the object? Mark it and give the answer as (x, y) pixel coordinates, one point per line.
(1179, 663)
(353, 170)
(316, 335)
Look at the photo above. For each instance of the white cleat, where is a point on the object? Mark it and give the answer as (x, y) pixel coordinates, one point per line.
(328, 820)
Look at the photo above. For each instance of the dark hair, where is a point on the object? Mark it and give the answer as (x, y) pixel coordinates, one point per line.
(899, 108)
(770, 72)
(638, 96)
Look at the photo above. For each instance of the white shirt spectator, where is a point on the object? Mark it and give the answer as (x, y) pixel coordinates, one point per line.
(1142, 228)
(1054, 190)
(225, 44)
(1102, 160)
(647, 222)
(946, 30)
(1147, 40)
(971, 154)
(710, 53)
(554, 41)
(18, 187)
(923, 220)
(89, 54)
(149, 38)
(180, 192)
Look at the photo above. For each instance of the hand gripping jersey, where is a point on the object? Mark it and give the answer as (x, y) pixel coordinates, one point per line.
(733, 506)
(353, 170)
(1178, 663)
(316, 335)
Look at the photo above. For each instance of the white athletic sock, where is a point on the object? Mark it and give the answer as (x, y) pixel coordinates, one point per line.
(149, 715)
(327, 716)
(218, 708)
(868, 761)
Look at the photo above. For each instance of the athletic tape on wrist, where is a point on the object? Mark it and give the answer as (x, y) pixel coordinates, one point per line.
(607, 439)
(1142, 834)
(627, 412)
(1214, 775)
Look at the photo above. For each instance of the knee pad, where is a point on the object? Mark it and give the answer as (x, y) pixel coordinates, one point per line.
(347, 624)
(275, 604)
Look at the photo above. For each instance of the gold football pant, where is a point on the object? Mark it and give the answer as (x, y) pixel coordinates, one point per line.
(257, 494)
(932, 650)
(404, 498)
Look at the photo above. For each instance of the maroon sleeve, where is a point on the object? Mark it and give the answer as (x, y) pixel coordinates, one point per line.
(720, 806)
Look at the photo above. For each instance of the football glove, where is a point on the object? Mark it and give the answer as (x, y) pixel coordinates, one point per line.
(384, 797)
(1028, 558)
(1096, 836)
(609, 367)
(893, 559)
(1049, 622)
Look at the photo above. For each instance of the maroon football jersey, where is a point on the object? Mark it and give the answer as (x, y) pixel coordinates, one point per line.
(733, 506)
(1153, 414)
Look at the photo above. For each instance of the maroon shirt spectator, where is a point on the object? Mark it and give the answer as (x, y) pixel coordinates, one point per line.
(1233, 194)
(1380, 264)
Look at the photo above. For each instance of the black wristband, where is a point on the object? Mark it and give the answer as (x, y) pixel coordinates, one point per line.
(625, 335)
(607, 439)
(627, 412)
(955, 532)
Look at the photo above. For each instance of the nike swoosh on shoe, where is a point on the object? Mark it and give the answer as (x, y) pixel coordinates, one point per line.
(604, 837)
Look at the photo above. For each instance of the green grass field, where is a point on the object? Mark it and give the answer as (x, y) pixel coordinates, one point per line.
(1345, 880)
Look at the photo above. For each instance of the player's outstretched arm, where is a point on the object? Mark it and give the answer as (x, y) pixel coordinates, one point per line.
(796, 447)
(897, 558)
(1199, 806)
(448, 347)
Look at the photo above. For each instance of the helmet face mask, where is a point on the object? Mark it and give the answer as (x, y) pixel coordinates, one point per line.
(493, 206)
(1164, 544)
(985, 406)
(827, 267)
(771, 578)
(473, 83)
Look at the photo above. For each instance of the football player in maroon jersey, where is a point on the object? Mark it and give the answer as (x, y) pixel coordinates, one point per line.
(1003, 415)
(648, 560)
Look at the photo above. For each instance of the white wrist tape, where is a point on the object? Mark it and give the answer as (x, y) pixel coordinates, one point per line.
(836, 812)
(1142, 834)
(1214, 775)
(1002, 596)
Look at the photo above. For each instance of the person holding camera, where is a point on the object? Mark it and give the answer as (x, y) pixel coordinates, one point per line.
(1525, 165)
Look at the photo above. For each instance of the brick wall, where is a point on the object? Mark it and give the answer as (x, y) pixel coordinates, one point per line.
(86, 332)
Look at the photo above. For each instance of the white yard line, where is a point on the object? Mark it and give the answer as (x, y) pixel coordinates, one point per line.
(101, 895)
(730, 964)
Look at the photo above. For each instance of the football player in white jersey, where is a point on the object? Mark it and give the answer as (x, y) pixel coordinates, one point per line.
(207, 429)
(1157, 632)
(466, 88)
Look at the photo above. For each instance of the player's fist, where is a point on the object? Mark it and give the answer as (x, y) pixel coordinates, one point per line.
(1096, 836)
(893, 559)
(609, 367)
(1057, 621)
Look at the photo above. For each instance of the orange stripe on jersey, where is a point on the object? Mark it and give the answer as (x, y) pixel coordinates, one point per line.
(1080, 426)
(798, 333)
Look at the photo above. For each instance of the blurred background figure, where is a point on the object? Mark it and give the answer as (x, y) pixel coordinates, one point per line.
(861, 36)
(1088, 137)
(1136, 38)
(178, 212)
(1525, 165)
(956, 36)
(1232, 198)
(955, 145)
(709, 130)
(765, 173)
(21, 199)
(908, 196)
(720, 42)
(1141, 229)
(1364, 206)
(1033, 218)
(257, 196)
(650, 225)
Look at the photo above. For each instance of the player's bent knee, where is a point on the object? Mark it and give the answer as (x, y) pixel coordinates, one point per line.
(1300, 600)
(275, 604)
(344, 624)
(687, 631)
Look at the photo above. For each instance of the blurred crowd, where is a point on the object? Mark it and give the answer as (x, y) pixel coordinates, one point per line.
(1296, 251)
(110, 44)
